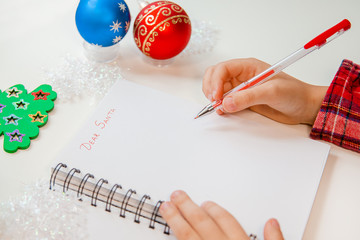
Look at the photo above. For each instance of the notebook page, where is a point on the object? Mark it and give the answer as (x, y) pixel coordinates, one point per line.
(149, 141)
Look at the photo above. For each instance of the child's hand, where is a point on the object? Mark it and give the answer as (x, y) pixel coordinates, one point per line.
(188, 221)
(283, 98)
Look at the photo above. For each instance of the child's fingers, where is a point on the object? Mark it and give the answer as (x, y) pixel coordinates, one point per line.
(220, 76)
(206, 85)
(213, 82)
(272, 230)
(198, 219)
(241, 100)
(227, 223)
(226, 75)
(180, 227)
(218, 111)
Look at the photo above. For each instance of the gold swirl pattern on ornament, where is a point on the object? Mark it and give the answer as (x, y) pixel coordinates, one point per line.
(146, 46)
(176, 8)
(137, 42)
(142, 31)
(151, 20)
(148, 11)
(138, 19)
(153, 7)
(167, 24)
(152, 38)
(175, 21)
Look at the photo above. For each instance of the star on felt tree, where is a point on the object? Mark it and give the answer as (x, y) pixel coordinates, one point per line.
(23, 113)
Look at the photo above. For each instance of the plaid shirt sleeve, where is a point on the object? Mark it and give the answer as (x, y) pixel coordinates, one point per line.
(338, 120)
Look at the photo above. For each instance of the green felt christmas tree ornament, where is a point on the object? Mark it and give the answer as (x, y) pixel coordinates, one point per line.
(22, 113)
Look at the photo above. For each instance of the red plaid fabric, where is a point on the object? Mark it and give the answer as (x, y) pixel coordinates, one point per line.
(338, 120)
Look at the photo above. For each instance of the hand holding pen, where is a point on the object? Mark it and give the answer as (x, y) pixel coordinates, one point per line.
(284, 98)
(231, 77)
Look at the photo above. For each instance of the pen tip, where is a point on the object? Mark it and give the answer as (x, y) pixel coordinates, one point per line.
(196, 117)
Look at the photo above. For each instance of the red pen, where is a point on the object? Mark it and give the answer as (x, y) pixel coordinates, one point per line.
(312, 45)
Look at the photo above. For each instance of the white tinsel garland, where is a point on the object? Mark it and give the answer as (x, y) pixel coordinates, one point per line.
(40, 213)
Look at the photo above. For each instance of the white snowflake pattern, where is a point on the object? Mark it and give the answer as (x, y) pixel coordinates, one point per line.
(117, 39)
(122, 7)
(115, 27)
(95, 45)
(127, 25)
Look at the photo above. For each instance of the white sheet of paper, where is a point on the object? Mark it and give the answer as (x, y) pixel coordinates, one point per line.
(149, 141)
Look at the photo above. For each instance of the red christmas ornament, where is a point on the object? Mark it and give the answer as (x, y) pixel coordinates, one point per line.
(162, 30)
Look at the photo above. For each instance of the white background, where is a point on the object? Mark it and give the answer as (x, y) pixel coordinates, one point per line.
(35, 36)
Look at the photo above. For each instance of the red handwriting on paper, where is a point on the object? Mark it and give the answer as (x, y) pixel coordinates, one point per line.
(90, 143)
(101, 125)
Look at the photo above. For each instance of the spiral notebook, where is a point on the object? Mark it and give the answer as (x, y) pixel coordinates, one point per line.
(141, 144)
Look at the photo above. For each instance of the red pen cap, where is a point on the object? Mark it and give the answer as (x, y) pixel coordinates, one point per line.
(321, 39)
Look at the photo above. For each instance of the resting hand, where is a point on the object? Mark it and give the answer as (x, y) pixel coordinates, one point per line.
(188, 221)
(283, 98)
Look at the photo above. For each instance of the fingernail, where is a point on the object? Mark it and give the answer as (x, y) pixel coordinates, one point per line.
(229, 104)
(210, 97)
(275, 223)
(176, 194)
(207, 204)
(164, 207)
(214, 94)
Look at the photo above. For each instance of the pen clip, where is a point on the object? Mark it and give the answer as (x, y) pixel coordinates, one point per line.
(322, 39)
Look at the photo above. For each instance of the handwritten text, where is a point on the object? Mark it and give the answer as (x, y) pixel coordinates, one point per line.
(101, 125)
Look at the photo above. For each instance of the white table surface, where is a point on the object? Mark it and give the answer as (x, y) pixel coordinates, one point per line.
(35, 36)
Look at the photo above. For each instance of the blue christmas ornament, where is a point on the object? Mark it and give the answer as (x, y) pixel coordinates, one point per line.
(102, 22)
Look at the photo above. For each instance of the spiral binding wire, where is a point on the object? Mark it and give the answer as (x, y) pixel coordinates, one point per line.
(69, 180)
(155, 214)
(80, 189)
(140, 207)
(111, 196)
(55, 172)
(125, 202)
(98, 187)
